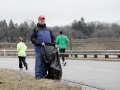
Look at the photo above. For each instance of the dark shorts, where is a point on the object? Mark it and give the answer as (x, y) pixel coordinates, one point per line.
(62, 50)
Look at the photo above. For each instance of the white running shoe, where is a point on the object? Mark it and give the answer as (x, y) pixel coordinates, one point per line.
(21, 68)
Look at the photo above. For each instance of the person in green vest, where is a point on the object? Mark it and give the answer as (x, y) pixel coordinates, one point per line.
(62, 41)
(21, 47)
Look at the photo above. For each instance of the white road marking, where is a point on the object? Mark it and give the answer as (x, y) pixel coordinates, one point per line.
(81, 66)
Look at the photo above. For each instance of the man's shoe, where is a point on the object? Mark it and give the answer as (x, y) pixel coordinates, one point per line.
(38, 78)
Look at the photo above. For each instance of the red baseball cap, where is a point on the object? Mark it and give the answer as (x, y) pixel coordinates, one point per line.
(41, 17)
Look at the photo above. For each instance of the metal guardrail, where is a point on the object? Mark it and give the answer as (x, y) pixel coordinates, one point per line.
(93, 52)
(75, 53)
(14, 53)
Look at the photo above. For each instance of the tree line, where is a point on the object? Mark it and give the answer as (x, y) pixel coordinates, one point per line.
(78, 29)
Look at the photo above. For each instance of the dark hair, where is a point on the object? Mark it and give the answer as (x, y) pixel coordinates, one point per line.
(61, 32)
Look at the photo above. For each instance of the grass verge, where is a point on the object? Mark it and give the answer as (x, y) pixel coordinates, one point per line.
(14, 80)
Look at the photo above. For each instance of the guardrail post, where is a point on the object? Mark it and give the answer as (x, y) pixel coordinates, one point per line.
(106, 56)
(75, 56)
(66, 55)
(4, 53)
(95, 56)
(118, 56)
(85, 56)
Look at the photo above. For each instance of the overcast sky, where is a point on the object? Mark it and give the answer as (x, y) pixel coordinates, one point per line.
(60, 12)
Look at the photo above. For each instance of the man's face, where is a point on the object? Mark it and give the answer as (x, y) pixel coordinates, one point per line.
(42, 21)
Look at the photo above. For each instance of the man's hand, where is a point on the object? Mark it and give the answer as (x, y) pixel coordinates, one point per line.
(43, 44)
(56, 46)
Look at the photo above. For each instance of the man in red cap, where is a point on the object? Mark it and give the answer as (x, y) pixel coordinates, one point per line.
(39, 37)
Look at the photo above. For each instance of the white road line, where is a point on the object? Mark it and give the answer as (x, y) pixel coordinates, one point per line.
(81, 66)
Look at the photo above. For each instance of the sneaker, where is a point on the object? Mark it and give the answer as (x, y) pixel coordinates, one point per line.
(65, 64)
(21, 68)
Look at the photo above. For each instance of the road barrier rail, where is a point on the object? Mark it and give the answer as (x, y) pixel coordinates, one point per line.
(68, 53)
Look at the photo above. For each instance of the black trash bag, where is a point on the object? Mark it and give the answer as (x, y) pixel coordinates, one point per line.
(51, 58)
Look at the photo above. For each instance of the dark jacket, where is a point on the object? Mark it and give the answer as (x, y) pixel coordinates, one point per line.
(41, 34)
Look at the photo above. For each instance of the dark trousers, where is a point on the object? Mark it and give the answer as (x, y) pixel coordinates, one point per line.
(62, 55)
(22, 61)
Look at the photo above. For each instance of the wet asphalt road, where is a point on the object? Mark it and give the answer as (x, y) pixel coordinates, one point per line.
(100, 74)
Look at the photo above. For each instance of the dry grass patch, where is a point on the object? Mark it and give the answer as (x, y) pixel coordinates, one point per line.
(14, 80)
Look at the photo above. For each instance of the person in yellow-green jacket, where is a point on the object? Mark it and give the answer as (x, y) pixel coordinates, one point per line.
(21, 47)
(62, 41)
